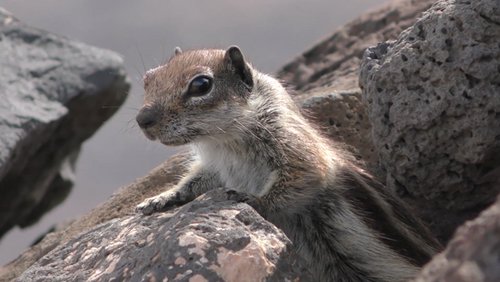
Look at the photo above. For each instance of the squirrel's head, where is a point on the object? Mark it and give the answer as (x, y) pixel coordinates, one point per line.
(196, 94)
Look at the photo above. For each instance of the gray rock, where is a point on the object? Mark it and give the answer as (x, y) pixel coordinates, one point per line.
(120, 204)
(334, 62)
(209, 239)
(472, 254)
(326, 75)
(55, 93)
(340, 115)
(433, 100)
(333, 100)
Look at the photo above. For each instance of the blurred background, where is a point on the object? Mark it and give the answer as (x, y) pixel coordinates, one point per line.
(145, 33)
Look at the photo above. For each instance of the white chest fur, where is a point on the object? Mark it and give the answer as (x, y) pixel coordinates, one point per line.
(238, 170)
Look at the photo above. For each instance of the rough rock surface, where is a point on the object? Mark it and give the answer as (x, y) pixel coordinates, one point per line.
(120, 204)
(209, 239)
(335, 60)
(433, 100)
(340, 115)
(334, 107)
(472, 254)
(326, 75)
(54, 94)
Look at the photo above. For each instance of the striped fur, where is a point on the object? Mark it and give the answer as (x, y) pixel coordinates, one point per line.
(255, 141)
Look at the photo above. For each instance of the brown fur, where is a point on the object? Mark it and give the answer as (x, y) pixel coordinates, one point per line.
(250, 137)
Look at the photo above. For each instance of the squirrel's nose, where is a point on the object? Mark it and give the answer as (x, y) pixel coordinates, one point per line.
(147, 117)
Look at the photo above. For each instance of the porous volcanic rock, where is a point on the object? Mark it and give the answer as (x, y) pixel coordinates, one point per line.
(335, 106)
(325, 77)
(434, 104)
(340, 115)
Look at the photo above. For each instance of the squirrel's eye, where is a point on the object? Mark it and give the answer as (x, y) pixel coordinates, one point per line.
(200, 86)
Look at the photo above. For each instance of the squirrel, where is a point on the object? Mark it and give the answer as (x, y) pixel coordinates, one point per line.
(249, 136)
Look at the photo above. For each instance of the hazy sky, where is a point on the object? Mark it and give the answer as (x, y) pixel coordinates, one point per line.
(270, 34)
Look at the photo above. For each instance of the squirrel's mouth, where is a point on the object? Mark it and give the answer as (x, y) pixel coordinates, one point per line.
(174, 140)
(181, 139)
(149, 135)
(170, 137)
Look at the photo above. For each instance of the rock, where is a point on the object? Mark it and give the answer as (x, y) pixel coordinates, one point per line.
(442, 159)
(209, 239)
(335, 106)
(326, 76)
(121, 203)
(335, 61)
(55, 93)
(340, 114)
(433, 103)
(472, 254)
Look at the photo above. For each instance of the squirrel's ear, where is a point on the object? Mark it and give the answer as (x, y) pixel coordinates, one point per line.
(235, 58)
(177, 50)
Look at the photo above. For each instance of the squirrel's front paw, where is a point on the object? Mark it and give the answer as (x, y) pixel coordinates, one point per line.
(249, 199)
(240, 197)
(158, 203)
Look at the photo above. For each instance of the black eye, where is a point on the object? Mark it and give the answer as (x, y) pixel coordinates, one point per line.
(200, 86)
